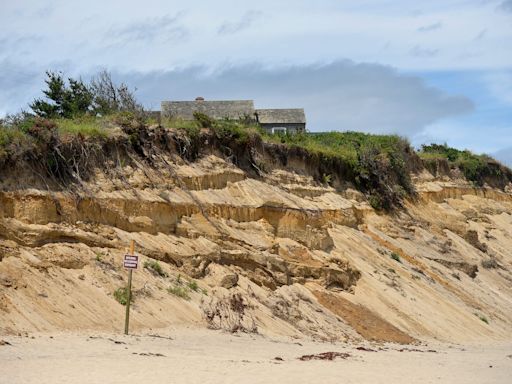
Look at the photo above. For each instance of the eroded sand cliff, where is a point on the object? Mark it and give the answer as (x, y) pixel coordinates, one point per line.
(308, 259)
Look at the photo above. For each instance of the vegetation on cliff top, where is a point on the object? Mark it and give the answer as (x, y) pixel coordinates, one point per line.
(77, 117)
(476, 168)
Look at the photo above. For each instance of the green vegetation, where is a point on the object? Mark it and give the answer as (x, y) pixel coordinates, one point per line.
(474, 167)
(121, 295)
(85, 126)
(482, 318)
(62, 133)
(155, 267)
(182, 292)
(75, 98)
(326, 179)
(345, 145)
(379, 165)
(395, 256)
(193, 285)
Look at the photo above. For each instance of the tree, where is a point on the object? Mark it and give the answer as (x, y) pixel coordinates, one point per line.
(109, 97)
(62, 100)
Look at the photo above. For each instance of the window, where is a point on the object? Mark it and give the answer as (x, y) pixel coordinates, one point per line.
(279, 130)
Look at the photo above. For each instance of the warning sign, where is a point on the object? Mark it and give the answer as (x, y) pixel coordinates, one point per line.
(131, 261)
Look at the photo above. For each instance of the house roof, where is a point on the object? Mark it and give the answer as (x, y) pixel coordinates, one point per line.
(281, 116)
(216, 109)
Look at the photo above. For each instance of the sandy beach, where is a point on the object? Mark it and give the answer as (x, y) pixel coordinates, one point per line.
(203, 356)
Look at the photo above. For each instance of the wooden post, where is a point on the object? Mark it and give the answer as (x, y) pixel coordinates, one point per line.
(127, 317)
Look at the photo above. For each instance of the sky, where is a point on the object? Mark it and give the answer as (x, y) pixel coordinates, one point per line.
(436, 71)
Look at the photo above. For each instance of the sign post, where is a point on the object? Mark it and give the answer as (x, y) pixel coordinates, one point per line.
(130, 263)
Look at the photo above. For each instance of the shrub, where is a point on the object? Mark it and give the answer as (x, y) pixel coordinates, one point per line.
(193, 285)
(395, 256)
(203, 120)
(181, 292)
(476, 168)
(85, 126)
(155, 267)
(63, 100)
(121, 295)
(490, 263)
(379, 165)
(482, 318)
(326, 179)
(109, 97)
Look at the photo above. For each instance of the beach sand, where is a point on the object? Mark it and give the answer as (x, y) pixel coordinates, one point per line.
(191, 355)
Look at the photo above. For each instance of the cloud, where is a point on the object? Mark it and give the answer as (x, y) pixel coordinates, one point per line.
(419, 51)
(430, 27)
(480, 35)
(165, 28)
(18, 84)
(500, 85)
(339, 96)
(247, 21)
(506, 6)
(504, 155)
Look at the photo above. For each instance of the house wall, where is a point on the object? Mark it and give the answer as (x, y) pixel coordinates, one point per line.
(233, 109)
(290, 128)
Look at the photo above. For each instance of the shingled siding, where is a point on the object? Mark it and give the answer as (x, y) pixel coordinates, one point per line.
(219, 109)
(292, 119)
(290, 128)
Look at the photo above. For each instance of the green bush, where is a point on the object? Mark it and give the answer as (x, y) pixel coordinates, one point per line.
(395, 256)
(193, 285)
(181, 292)
(155, 267)
(203, 120)
(85, 126)
(474, 167)
(121, 295)
(482, 318)
(379, 165)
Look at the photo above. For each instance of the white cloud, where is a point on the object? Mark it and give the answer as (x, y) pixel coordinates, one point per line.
(296, 31)
(430, 27)
(339, 96)
(500, 84)
(247, 21)
(504, 155)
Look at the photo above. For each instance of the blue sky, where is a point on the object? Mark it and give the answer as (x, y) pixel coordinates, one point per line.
(431, 71)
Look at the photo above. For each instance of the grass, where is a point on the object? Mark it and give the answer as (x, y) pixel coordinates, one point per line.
(121, 295)
(12, 138)
(377, 165)
(85, 126)
(155, 267)
(395, 256)
(482, 318)
(473, 166)
(182, 292)
(193, 285)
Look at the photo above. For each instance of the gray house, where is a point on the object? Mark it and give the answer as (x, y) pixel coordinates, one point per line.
(272, 120)
(282, 120)
(216, 109)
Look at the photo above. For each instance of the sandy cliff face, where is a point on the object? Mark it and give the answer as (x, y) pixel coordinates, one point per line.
(306, 259)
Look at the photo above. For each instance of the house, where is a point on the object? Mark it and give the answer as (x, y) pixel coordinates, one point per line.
(272, 120)
(282, 120)
(216, 109)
